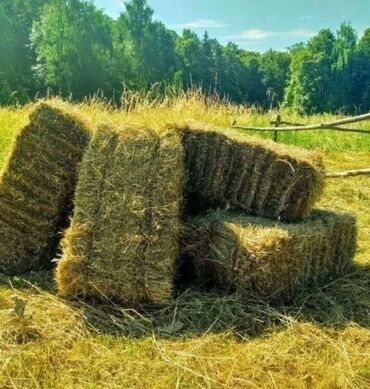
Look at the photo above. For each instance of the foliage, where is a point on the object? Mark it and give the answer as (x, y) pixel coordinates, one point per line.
(275, 73)
(15, 65)
(73, 49)
(73, 45)
(330, 73)
(147, 46)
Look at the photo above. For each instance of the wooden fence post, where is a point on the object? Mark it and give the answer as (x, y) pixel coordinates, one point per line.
(277, 124)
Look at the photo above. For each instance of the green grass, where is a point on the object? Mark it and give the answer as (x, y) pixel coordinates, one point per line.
(10, 120)
(320, 339)
(327, 140)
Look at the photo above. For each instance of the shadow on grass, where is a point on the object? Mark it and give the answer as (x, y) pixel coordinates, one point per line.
(194, 312)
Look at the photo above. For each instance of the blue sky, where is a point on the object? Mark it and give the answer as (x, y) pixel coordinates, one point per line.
(255, 24)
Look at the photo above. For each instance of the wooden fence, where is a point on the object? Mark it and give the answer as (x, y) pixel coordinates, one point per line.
(332, 125)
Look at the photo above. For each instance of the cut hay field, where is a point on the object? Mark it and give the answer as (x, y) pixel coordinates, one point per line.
(319, 339)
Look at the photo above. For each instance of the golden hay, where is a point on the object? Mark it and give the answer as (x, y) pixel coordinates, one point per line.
(255, 176)
(36, 188)
(269, 258)
(123, 241)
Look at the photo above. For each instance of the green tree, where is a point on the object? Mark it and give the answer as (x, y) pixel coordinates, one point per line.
(256, 92)
(311, 86)
(208, 66)
(233, 74)
(275, 75)
(146, 44)
(343, 53)
(189, 51)
(75, 49)
(17, 83)
(360, 87)
(72, 40)
(13, 84)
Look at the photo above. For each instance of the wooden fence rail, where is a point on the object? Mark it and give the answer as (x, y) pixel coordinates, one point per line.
(349, 173)
(332, 125)
(321, 126)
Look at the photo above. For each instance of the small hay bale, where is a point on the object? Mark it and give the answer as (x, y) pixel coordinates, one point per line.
(258, 177)
(123, 241)
(37, 186)
(265, 257)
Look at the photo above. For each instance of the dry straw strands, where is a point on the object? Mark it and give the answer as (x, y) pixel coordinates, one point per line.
(259, 177)
(123, 241)
(36, 187)
(268, 258)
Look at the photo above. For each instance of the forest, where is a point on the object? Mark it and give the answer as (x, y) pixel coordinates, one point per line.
(72, 49)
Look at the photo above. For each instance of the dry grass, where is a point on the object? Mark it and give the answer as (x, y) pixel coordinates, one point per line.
(321, 339)
(123, 241)
(259, 177)
(36, 187)
(263, 257)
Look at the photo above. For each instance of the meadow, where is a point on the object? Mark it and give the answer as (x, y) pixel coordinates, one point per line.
(202, 339)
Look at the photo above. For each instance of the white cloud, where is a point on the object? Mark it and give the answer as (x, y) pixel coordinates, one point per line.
(202, 23)
(256, 34)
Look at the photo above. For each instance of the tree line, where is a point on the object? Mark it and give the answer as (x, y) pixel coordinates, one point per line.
(75, 49)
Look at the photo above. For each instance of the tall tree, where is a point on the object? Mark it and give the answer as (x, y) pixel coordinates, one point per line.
(256, 92)
(13, 85)
(73, 48)
(189, 52)
(360, 88)
(17, 83)
(233, 74)
(73, 45)
(343, 53)
(311, 86)
(147, 44)
(209, 74)
(275, 75)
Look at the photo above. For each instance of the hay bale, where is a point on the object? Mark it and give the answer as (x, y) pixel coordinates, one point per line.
(36, 188)
(268, 258)
(259, 177)
(123, 240)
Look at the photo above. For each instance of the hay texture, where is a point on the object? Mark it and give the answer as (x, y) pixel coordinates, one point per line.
(268, 258)
(123, 240)
(36, 188)
(256, 176)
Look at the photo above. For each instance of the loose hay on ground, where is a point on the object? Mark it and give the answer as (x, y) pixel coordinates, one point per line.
(259, 177)
(268, 258)
(36, 187)
(123, 240)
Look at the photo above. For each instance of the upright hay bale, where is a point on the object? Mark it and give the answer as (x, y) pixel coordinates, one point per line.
(36, 188)
(256, 176)
(269, 258)
(123, 241)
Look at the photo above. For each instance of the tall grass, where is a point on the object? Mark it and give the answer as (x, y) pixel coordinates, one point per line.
(152, 109)
(319, 339)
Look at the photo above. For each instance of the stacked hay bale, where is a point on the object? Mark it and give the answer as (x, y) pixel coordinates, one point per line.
(266, 257)
(135, 189)
(278, 184)
(37, 186)
(123, 241)
(259, 177)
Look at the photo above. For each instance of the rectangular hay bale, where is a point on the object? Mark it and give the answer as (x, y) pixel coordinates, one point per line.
(258, 177)
(123, 241)
(268, 258)
(37, 186)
